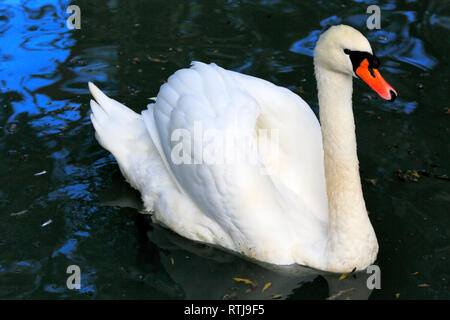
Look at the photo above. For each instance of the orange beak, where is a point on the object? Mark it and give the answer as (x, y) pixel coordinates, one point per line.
(374, 79)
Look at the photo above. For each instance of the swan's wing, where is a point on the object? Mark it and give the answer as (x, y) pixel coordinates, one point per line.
(243, 202)
(299, 165)
(248, 204)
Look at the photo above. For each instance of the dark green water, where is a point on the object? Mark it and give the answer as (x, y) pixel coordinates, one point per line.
(71, 215)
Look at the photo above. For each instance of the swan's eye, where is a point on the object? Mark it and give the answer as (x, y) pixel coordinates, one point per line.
(375, 62)
(359, 56)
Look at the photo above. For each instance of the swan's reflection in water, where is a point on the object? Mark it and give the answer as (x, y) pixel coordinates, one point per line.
(205, 272)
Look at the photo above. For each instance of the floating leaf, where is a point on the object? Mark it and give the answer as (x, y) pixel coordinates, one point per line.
(156, 59)
(266, 286)
(46, 223)
(340, 293)
(423, 285)
(344, 275)
(409, 175)
(18, 213)
(245, 281)
(276, 296)
(415, 174)
(371, 181)
(412, 175)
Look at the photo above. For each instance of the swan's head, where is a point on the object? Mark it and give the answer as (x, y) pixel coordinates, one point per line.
(345, 50)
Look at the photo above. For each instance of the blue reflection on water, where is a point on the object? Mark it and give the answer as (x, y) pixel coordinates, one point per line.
(394, 40)
(35, 41)
(67, 249)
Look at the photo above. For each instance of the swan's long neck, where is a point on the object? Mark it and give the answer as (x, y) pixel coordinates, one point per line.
(351, 239)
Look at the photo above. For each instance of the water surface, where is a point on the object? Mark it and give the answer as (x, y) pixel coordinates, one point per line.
(64, 202)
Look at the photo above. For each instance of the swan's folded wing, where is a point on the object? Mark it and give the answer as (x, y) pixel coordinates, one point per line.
(198, 112)
(299, 165)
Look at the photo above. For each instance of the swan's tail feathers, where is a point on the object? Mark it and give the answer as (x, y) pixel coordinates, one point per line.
(121, 131)
(118, 129)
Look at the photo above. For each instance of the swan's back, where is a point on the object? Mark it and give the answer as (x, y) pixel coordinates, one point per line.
(213, 97)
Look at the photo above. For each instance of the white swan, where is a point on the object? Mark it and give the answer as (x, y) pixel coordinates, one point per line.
(309, 210)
